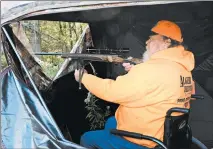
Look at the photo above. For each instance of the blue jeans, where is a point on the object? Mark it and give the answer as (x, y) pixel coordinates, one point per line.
(103, 139)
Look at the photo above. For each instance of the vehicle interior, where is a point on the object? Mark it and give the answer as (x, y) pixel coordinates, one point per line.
(122, 28)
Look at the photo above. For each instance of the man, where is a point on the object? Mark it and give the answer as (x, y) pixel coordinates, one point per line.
(146, 92)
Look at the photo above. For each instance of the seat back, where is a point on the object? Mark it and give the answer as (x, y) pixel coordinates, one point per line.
(177, 132)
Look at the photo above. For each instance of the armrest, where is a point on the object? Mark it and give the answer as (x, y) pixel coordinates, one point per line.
(136, 136)
(201, 97)
(180, 110)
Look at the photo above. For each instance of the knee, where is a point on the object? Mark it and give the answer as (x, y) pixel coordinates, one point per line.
(111, 119)
(111, 123)
(86, 139)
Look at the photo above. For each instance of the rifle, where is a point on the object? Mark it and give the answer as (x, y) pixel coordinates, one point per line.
(83, 58)
(102, 58)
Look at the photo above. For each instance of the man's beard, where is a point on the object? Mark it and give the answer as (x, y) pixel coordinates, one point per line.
(146, 56)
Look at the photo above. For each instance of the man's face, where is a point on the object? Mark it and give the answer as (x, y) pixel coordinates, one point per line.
(154, 44)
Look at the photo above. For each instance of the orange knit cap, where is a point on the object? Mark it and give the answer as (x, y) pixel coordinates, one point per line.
(168, 29)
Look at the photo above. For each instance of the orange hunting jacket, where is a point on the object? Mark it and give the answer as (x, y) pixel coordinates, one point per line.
(147, 91)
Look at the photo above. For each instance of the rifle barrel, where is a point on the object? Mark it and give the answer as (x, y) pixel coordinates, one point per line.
(111, 50)
(48, 53)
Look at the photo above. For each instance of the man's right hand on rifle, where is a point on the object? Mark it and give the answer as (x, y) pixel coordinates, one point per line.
(127, 66)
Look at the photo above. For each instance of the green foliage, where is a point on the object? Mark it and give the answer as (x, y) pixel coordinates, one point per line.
(54, 36)
(49, 69)
(96, 115)
(3, 61)
(59, 36)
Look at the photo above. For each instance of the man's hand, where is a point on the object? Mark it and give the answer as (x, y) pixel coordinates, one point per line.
(127, 66)
(76, 74)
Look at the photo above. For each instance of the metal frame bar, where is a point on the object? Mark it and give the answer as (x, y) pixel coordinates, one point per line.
(31, 80)
(137, 136)
(59, 8)
(198, 143)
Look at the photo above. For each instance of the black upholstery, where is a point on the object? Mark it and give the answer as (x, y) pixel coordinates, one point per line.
(177, 132)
